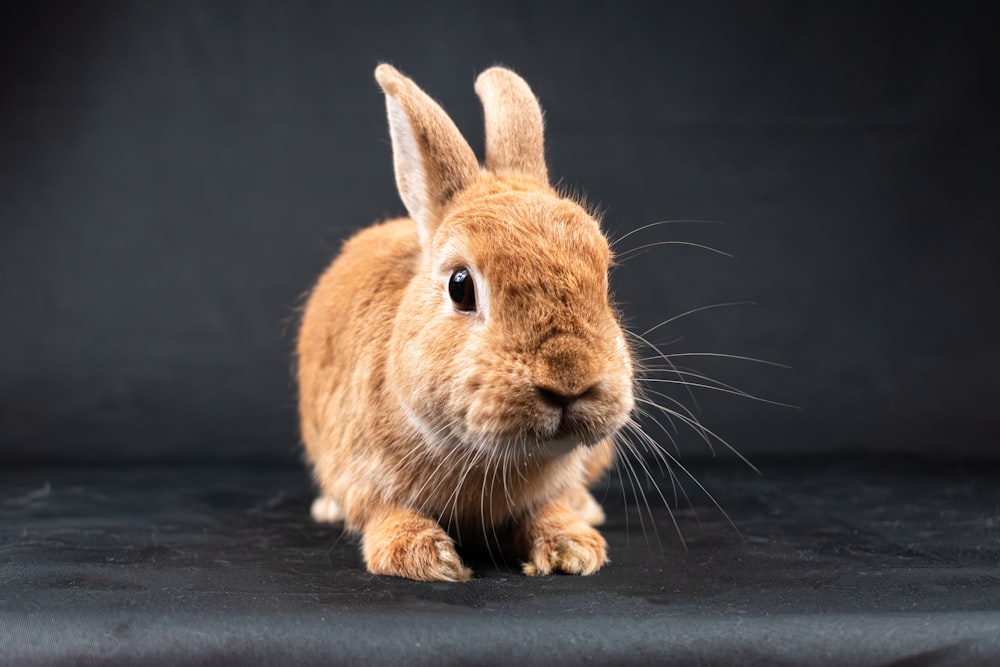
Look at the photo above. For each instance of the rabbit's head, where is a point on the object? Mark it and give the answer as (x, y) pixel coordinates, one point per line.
(506, 337)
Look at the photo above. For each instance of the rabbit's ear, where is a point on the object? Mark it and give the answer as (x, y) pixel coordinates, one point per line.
(432, 160)
(513, 119)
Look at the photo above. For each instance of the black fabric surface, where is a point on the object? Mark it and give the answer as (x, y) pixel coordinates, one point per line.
(875, 563)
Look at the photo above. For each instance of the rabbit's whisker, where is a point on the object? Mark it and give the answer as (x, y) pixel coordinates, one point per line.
(724, 389)
(699, 309)
(626, 255)
(659, 223)
(722, 355)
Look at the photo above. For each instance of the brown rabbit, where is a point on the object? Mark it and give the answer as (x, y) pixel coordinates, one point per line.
(464, 367)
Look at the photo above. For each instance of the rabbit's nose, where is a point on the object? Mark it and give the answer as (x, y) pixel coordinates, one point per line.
(561, 399)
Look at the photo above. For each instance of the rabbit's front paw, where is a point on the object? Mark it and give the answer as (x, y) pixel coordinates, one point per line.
(406, 544)
(573, 549)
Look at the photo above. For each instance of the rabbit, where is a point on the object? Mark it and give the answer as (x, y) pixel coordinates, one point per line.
(465, 367)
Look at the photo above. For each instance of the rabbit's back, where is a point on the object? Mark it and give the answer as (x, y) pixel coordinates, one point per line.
(342, 347)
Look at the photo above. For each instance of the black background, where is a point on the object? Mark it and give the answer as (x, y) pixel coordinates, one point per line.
(174, 175)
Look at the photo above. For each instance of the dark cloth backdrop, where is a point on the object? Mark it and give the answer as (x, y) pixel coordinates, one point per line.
(174, 175)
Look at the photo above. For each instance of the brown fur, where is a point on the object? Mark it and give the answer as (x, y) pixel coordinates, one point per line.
(418, 418)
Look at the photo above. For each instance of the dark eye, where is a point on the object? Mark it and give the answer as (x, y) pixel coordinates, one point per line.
(462, 290)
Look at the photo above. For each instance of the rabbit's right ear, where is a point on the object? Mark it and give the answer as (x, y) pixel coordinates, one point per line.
(432, 160)
(515, 139)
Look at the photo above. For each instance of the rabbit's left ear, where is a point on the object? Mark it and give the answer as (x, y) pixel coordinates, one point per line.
(515, 139)
(432, 160)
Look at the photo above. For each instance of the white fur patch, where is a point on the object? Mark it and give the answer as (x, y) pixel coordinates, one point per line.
(589, 509)
(326, 510)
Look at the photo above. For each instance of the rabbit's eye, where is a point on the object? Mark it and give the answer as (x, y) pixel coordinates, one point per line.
(462, 290)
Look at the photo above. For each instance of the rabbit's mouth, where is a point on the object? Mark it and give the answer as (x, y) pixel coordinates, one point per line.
(584, 420)
(570, 434)
(573, 428)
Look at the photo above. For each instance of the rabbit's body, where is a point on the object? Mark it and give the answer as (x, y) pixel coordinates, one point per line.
(464, 369)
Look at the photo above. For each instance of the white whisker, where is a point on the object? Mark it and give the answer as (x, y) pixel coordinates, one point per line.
(725, 356)
(697, 310)
(725, 389)
(636, 429)
(642, 338)
(700, 486)
(702, 428)
(662, 222)
(637, 489)
(632, 252)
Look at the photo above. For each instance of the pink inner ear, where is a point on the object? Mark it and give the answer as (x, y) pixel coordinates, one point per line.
(432, 160)
(408, 163)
